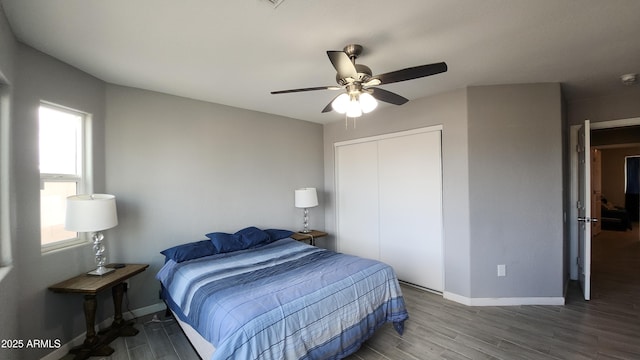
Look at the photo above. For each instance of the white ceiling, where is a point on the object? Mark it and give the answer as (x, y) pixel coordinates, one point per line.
(235, 52)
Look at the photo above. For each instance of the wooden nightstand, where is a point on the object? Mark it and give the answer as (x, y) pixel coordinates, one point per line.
(311, 236)
(90, 285)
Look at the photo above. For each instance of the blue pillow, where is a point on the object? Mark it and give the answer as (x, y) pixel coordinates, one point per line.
(277, 234)
(224, 242)
(189, 251)
(252, 236)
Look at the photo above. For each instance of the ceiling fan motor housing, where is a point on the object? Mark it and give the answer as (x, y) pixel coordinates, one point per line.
(364, 75)
(353, 51)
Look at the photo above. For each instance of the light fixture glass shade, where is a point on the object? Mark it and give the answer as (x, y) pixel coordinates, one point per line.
(306, 198)
(354, 110)
(340, 103)
(88, 213)
(367, 102)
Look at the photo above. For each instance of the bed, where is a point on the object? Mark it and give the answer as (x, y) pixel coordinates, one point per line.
(279, 299)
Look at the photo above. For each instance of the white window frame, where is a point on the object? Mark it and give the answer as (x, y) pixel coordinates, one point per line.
(5, 151)
(83, 180)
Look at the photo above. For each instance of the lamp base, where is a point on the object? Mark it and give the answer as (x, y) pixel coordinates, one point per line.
(305, 231)
(101, 270)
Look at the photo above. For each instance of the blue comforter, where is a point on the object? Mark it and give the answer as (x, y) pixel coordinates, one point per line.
(284, 300)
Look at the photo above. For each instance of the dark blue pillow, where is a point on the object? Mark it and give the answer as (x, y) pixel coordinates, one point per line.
(190, 251)
(252, 236)
(243, 239)
(224, 242)
(277, 234)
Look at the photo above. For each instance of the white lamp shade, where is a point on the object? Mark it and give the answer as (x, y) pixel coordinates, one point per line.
(90, 213)
(306, 198)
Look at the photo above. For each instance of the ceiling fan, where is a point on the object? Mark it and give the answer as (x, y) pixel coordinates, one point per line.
(360, 84)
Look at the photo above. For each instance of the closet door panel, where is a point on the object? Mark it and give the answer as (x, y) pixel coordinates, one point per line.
(410, 203)
(357, 199)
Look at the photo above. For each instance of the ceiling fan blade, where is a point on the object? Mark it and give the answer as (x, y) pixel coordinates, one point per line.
(412, 73)
(388, 96)
(307, 89)
(328, 107)
(342, 64)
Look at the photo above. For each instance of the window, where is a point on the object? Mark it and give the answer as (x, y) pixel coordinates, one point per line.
(632, 186)
(62, 171)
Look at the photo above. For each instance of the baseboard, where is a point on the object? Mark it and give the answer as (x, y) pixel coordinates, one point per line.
(457, 298)
(503, 301)
(131, 314)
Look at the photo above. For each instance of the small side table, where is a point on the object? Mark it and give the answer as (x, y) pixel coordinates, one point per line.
(311, 236)
(90, 285)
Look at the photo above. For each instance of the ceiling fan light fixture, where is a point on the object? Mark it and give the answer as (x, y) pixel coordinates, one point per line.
(341, 103)
(367, 103)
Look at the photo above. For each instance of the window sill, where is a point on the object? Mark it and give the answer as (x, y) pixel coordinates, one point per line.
(53, 248)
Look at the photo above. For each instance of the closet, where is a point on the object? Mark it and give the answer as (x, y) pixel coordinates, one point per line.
(389, 202)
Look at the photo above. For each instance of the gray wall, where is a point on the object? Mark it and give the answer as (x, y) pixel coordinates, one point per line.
(181, 168)
(449, 110)
(621, 105)
(7, 47)
(515, 186)
(40, 77)
(9, 296)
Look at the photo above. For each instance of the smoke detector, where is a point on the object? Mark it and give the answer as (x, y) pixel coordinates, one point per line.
(629, 79)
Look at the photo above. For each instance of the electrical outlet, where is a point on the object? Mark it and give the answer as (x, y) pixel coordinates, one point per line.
(502, 270)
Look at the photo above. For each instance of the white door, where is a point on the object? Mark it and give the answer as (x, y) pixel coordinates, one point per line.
(357, 200)
(410, 191)
(584, 208)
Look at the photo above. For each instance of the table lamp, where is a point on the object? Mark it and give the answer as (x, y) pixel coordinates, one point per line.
(93, 213)
(306, 198)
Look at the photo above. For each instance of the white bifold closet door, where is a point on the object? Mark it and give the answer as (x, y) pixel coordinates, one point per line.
(389, 202)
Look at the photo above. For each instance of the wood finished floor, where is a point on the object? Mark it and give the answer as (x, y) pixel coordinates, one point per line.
(607, 327)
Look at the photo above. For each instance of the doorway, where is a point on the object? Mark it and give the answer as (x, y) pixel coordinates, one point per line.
(615, 248)
(601, 243)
